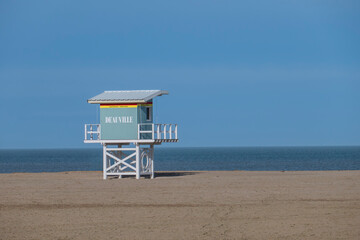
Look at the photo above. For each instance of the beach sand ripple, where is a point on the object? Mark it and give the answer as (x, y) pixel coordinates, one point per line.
(181, 205)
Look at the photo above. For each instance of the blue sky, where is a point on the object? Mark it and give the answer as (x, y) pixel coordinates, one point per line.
(239, 73)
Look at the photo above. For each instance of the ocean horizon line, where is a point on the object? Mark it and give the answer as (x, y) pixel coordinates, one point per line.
(264, 158)
(187, 147)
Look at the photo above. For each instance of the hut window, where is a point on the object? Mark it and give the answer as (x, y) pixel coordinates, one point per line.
(148, 113)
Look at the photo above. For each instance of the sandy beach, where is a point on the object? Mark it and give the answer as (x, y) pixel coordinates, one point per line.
(181, 205)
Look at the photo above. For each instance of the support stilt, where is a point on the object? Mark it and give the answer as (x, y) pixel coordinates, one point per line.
(152, 160)
(137, 161)
(120, 161)
(104, 161)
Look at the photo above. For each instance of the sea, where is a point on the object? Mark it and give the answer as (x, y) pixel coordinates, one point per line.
(190, 159)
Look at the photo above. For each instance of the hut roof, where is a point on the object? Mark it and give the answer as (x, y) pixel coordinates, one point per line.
(133, 96)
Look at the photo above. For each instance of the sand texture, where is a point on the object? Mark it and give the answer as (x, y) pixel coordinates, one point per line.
(181, 205)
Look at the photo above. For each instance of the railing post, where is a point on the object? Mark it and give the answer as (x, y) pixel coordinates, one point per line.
(176, 137)
(158, 131)
(152, 160)
(153, 131)
(139, 131)
(99, 132)
(170, 131)
(164, 131)
(91, 129)
(92, 132)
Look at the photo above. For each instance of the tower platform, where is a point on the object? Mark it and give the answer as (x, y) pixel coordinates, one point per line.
(138, 159)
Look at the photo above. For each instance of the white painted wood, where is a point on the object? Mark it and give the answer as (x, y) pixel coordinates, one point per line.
(99, 131)
(164, 131)
(145, 131)
(127, 173)
(85, 132)
(142, 141)
(90, 130)
(139, 132)
(150, 141)
(120, 156)
(170, 131)
(120, 161)
(123, 173)
(152, 161)
(153, 131)
(176, 132)
(121, 149)
(104, 161)
(137, 161)
(158, 131)
(108, 163)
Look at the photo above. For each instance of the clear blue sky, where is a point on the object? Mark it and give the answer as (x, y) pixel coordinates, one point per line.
(239, 73)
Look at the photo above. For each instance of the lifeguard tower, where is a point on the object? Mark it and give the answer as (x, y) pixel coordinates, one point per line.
(126, 118)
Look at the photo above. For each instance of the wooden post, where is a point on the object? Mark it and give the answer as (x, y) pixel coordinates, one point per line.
(91, 130)
(158, 131)
(152, 161)
(164, 131)
(139, 131)
(104, 161)
(153, 131)
(170, 131)
(120, 157)
(176, 137)
(99, 132)
(137, 161)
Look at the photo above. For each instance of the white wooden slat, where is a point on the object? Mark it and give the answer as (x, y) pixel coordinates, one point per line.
(120, 161)
(158, 131)
(164, 131)
(121, 149)
(170, 131)
(176, 136)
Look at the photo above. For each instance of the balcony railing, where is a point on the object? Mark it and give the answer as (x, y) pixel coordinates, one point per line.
(92, 132)
(157, 131)
(146, 131)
